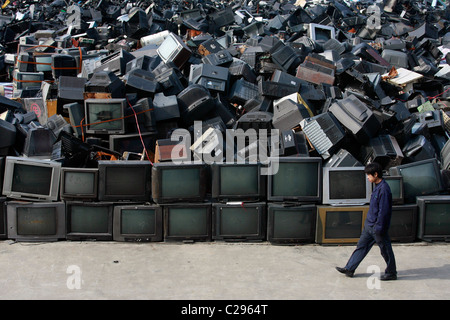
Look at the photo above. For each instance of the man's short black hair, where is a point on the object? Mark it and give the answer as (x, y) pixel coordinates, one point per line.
(374, 167)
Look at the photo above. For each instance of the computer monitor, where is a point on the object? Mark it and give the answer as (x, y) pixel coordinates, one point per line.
(419, 178)
(174, 49)
(187, 222)
(124, 180)
(321, 33)
(345, 186)
(36, 221)
(239, 221)
(237, 181)
(89, 220)
(403, 226)
(340, 224)
(396, 185)
(79, 183)
(179, 182)
(297, 179)
(105, 116)
(31, 179)
(291, 224)
(138, 223)
(434, 217)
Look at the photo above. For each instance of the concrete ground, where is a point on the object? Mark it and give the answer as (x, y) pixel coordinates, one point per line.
(215, 271)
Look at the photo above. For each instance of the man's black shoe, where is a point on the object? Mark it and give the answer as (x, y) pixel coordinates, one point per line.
(387, 277)
(348, 273)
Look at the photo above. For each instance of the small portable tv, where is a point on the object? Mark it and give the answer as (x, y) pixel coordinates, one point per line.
(124, 180)
(31, 179)
(236, 181)
(291, 223)
(105, 116)
(173, 182)
(138, 223)
(434, 217)
(79, 183)
(396, 185)
(89, 220)
(345, 186)
(36, 221)
(340, 224)
(246, 221)
(187, 222)
(403, 226)
(297, 179)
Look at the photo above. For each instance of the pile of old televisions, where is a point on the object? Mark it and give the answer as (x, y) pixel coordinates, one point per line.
(219, 121)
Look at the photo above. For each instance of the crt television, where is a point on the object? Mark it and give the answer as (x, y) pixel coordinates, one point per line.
(187, 222)
(434, 217)
(124, 180)
(340, 224)
(31, 179)
(138, 223)
(297, 179)
(403, 226)
(36, 221)
(345, 186)
(105, 116)
(291, 223)
(396, 185)
(79, 183)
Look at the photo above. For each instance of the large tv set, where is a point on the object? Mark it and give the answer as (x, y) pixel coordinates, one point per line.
(188, 222)
(291, 223)
(403, 226)
(138, 223)
(79, 183)
(36, 221)
(239, 221)
(434, 217)
(89, 220)
(124, 180)
(340, 224)
(396, 185)
(237, 181)
(105, 116)
(419, 178)
(3, 230)
(173, 182)
(31, 179)
(345, 186)
(298, 179)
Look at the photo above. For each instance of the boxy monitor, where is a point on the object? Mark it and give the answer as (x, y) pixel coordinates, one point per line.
(3, 230)
(403, 226)
(105, 116)
(434, 218)
(79, 183)
(396, 185)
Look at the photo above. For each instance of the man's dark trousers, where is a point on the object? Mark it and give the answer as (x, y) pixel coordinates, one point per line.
(366, 241)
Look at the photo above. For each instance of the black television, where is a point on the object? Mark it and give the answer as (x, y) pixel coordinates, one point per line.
(79, 183)
(239, 221)
(173, 182)
(133, 142)
(138, 223)
(89, 220)
(396, 185)
(36, 221)
(296, 179)
(124, 180)
(237, 181)
(188, 222)
(3, 230)
(105, 116)
(403, 226)
(291, 223)
(419, 178)
(31, 179)
(434, 217)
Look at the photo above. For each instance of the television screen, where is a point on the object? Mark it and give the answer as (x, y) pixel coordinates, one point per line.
(124, 180)
(133, 142)
(291, 223)
(340, 224)
(81, 183)
(403, 223)
(31, 179)
(321, 33)
(105, 116)
(237, 181)
(175, 182)
(137, 223)
(89, 220)
(297, 179)
(36, 221)
(187, 222)
(419, 178)
(396, 185)
(434, 217)
(345, 185)
(240, 222)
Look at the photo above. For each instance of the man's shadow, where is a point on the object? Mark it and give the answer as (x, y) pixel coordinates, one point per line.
(442, 272)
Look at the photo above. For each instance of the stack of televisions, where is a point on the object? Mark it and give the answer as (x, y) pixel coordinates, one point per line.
(305, 201)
